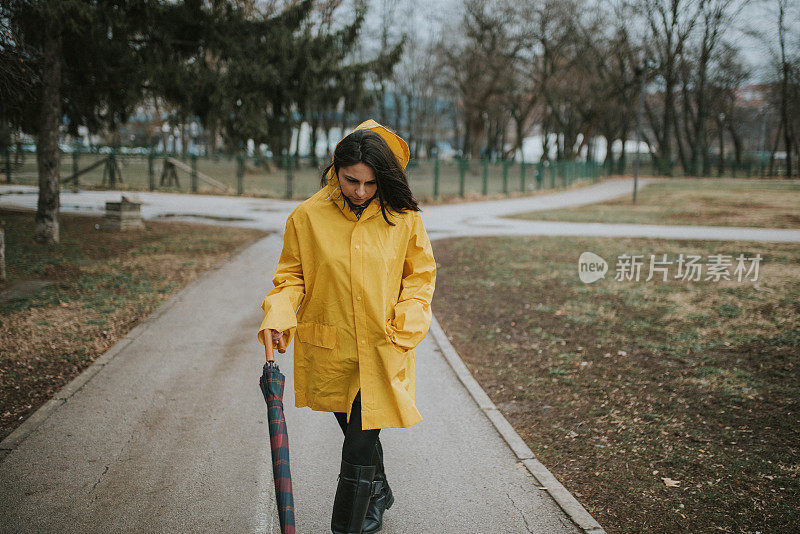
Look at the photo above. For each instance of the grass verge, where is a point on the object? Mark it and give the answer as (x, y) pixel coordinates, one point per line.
(103, 284)
(688, 201)
(663, 406)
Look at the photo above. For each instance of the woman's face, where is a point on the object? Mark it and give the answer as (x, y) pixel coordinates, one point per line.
(358, 183)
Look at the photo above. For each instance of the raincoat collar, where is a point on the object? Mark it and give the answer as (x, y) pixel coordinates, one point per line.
(334, 194)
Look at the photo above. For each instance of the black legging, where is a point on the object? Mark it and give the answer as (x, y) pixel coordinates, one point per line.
(359, 445)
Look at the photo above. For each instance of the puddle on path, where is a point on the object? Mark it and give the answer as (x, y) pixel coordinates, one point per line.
(202, 216)
(262, 209)
(19, 193)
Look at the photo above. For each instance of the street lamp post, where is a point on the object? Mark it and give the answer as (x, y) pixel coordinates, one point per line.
(762, 141)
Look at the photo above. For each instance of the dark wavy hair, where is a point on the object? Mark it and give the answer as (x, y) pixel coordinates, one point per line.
(368, 147)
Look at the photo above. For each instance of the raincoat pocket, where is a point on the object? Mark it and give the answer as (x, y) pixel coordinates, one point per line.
(321, 335)
(397, 358)
(387, 334)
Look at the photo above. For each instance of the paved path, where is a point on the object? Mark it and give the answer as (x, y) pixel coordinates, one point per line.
(170, 436)
(479, 218)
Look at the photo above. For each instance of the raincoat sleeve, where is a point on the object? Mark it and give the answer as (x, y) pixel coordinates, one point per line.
(280, 305)
(413, 309)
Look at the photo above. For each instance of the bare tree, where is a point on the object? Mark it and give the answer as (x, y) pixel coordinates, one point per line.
(419, 86)
(788, 94)
(726, 76)
(479, 60)
(669, 24)
(714, 17)
(783, 47)
(619, 59)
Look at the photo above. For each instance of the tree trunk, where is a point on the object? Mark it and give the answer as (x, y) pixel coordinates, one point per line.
(608, 163)
(382, 100)
(785, 119)
(771, 171)
(314, 161)
(277, 142)
(46, 230)
(700, 153)
(297, 145)
(503, 140)
(545, 145)
(474, 134)
(623, 157)
(721, 130)
(518, 126)
(559, 145)
(737, 145)
(398, 110)
(184, 139)
(3, 276)
(212, 138)
(787, 135)
(683, 123)
(665, 161)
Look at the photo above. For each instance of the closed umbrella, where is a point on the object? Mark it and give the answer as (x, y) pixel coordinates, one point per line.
(271, 382)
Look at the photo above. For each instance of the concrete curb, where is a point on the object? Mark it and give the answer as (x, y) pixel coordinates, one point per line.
(13, 440)
(568, 503)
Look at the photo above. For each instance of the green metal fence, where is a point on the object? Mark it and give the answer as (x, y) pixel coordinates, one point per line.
(430, 179)
(441, 179)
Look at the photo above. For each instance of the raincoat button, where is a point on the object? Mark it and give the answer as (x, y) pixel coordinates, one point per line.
(359, 298)
(356, 246)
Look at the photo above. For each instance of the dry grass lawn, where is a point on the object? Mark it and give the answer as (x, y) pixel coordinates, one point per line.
(691, 201)
(663, 406)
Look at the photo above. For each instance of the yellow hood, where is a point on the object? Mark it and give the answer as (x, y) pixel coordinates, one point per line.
(395, 142)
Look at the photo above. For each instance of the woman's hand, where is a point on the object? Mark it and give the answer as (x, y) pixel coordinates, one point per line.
(276, 336)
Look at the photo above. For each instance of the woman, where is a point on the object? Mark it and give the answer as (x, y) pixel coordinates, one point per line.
(358, 263)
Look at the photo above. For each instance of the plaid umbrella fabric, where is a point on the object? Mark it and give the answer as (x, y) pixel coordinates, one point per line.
(272, 382)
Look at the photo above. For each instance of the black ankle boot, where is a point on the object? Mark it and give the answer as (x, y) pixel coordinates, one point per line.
(381, 501)
(382, 498)
(352, 498)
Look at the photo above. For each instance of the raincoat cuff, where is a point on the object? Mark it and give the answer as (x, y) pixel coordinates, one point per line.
(392, 333)
(278, 315)
(288, 335)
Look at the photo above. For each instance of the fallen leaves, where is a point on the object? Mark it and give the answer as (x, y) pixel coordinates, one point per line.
(668, 482)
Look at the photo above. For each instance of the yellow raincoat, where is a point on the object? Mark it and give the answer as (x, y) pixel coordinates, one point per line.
(364, 290)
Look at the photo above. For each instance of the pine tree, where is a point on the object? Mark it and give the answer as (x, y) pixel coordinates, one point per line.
(82, 66)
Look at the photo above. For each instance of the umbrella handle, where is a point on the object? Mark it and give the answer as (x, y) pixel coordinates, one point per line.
(270, 351)
(268, 347)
